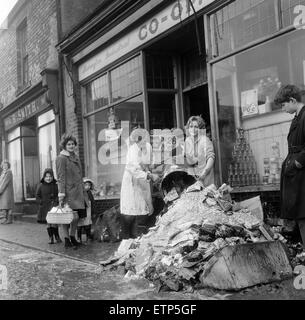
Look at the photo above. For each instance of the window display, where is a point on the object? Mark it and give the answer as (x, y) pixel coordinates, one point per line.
(245, 86)
(108, 143)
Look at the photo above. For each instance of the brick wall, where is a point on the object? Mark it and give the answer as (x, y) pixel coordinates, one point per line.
(74, 11)
(41, 40)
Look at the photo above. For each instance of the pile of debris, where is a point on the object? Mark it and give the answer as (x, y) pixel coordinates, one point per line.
(174, 253)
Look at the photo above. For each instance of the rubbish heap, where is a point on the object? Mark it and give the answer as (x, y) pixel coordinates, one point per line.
(199, 223)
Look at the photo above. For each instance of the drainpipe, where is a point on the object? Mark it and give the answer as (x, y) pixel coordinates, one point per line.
(61, 98)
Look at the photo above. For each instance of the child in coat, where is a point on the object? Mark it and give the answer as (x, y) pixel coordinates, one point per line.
(86, 223)
(47, 197)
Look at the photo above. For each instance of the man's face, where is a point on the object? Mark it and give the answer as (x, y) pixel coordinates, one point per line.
(290, 106)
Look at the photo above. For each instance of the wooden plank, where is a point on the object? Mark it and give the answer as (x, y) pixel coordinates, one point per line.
(241, 266)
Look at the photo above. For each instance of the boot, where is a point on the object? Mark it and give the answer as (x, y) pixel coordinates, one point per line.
(68, 243)
(88, 233)
(74, 242)
(9, 219)
(56, 234)
(79, 234)
(50, 233)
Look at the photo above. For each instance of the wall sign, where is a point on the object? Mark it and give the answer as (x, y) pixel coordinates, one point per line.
(25, 112)
(162, 21)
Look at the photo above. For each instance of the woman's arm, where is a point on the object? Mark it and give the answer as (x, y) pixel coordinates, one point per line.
(61, 177)
(133, 165)
(207, 148)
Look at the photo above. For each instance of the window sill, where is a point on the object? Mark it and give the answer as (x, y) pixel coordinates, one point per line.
(257, 188)
(22, 89)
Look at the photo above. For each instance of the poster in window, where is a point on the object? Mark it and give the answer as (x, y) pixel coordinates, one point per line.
(249, 102)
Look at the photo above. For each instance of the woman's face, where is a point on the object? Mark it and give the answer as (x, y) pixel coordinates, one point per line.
(193, 128)
(5, 166)
(87, 186)
(70, 146)
(48, 178)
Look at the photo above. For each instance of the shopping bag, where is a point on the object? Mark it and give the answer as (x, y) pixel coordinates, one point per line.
(60, 215)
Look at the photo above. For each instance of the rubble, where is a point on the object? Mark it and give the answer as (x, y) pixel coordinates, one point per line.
(196, 226)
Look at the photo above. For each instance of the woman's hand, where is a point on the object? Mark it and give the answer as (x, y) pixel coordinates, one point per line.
(61, 198)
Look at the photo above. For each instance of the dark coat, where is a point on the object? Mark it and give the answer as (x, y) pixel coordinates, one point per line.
(70, 181)
(6, 190)
(47, 197)
(292, 178)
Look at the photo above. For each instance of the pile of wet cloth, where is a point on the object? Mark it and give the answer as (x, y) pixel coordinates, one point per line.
(196, 225)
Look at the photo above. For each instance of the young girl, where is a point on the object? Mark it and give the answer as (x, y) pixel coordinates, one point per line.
(47, 197)
(85, 223)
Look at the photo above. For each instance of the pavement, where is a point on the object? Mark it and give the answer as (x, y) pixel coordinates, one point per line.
(38, 270)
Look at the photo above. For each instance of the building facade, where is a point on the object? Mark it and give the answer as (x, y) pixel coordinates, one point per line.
(155, 63)
(31, 88)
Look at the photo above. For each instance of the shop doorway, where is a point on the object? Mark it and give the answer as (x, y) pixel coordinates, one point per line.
(196, 102)
(176, 78)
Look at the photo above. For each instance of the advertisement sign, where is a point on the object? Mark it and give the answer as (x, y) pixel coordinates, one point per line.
(249, 102)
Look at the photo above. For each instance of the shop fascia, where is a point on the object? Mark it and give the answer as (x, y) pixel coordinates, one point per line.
(114, 150)
(167, 18)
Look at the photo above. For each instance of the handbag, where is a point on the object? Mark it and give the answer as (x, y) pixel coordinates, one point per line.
(60, 215)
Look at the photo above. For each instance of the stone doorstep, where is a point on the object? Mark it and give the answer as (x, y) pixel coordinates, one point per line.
(20, 216)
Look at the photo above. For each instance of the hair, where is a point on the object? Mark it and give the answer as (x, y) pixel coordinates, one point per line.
(46, 171)
(286, 92)
(198, 119)
(7, 162)
(66, 137)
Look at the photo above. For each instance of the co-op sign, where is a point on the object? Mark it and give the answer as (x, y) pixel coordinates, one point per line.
(164, 20)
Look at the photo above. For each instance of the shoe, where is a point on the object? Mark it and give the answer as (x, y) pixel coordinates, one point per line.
(50, 233)
(56, 234)
(68, 243)
(9, 219)
(74, 242)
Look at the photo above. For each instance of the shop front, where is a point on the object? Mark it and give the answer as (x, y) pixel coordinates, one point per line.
(255, 47)
(154, 77)
(30, 140)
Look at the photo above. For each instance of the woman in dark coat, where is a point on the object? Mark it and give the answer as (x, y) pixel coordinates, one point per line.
(293, 168)
(47, 197)
(70, 185)
(6, 192)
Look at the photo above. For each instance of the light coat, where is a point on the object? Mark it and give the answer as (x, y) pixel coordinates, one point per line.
(69, 179)
(195, 163)
(6, 190)
(136, 198)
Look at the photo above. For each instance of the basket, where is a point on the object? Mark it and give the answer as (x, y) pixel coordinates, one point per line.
(60, 216)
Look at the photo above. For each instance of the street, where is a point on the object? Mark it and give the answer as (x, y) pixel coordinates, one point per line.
(49, 272)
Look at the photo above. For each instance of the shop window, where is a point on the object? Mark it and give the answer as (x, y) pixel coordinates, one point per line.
(159, 72)
(195, 71)
(106, 165)
(22, 56)
(47, 141)
(14, 157)
(31, 174)
(125, 79)
(241, 22)
(252, 128)
(97, 93)
(287, 9)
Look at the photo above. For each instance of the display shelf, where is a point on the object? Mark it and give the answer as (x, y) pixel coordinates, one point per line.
(257, 188)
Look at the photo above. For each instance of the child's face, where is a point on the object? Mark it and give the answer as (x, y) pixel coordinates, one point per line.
(87, 186)
(48, 178)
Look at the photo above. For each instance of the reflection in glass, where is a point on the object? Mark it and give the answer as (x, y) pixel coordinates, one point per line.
(47, 148)
(14, 156)
(125, 79)
(241, 22)
(97, 93)
(245, 87)
(107, 142)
